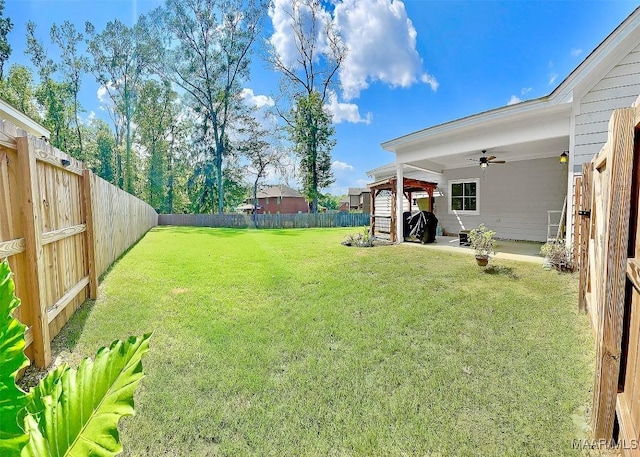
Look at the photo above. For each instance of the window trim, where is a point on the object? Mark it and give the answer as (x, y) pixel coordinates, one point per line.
(475, 212)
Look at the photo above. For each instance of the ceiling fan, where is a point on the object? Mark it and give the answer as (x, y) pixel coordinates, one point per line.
(484, 161)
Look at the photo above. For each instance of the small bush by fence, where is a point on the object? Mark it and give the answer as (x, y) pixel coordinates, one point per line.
(274, 221)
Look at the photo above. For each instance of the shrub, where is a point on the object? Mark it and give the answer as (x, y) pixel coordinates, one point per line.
(560, 255)
(363, 239)
(482, 240)
(71, 411)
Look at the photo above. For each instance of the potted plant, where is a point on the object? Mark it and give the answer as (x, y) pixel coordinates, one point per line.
(482, 240)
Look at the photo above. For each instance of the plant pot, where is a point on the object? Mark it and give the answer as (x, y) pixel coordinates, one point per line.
(482, 261)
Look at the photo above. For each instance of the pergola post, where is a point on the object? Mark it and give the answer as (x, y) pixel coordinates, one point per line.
(399, 206)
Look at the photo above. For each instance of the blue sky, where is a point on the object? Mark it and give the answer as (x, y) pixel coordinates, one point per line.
(413, 64)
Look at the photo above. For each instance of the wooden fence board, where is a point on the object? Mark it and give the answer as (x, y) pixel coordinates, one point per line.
(33, 243)
(619, 162)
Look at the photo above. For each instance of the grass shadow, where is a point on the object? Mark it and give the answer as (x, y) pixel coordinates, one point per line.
(500, 270)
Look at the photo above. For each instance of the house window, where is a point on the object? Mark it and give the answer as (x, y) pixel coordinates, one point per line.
(267, 201)
(464, 196)
(278, 200)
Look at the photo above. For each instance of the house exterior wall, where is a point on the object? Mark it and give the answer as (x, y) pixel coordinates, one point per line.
(513, 198)
(283, 205)
(365, 202)
(354, 201)
(619, 88)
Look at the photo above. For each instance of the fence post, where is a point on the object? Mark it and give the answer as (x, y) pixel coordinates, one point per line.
(30, 191)
(90, 251)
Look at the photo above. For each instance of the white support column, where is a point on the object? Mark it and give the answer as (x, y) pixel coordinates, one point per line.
(570, 174)
(399, 201)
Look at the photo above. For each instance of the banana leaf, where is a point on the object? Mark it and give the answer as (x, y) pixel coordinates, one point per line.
(12, 360)
(75, 412)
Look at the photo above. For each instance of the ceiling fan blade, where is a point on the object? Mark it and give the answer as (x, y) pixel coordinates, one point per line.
(497, 161)
(491, 158)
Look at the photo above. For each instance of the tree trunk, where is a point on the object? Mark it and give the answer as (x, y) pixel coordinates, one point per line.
(128, 168)
(255, 201)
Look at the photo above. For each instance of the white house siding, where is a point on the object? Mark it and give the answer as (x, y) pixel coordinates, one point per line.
(513, 198)
(618, 89)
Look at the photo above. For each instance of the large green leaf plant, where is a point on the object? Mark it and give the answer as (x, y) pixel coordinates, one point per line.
(71, 412)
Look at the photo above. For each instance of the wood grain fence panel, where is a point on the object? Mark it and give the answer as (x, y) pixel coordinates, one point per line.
(120, 220)
(33, 241)
(613, 175)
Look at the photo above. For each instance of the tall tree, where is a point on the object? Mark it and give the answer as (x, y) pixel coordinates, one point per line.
(311, 132)
(206, 52)
(6, 26)
(54, 97)
(102, 150)
(262, 155)
(120, 60)
(155, 114)
(308, 77)
(73, 65)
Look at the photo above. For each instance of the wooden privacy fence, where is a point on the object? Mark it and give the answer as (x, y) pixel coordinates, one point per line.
(60, 227)
(275, 221)
(608, 255)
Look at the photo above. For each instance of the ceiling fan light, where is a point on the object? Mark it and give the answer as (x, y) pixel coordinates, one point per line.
(484, 164)
(564, 158)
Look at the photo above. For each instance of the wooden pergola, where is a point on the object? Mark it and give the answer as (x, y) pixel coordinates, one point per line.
(410, 185)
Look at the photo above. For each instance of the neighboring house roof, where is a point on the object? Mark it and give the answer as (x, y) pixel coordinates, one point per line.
(9, 113)
(280, 190)
(357, 190)
(545, 120)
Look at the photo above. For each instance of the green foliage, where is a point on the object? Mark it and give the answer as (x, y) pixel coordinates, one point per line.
(12, 360)
(206, 52)
(560, 255)
(330, 201)
(311, 133)
(120, 61)
(18, 88)
(71, 411)
(363, 239)
(6, 26)
(482, 240)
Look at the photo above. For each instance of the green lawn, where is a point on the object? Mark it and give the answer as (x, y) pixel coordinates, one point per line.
(284, 342)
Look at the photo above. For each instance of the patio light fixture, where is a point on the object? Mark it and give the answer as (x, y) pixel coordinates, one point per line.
(564, 157)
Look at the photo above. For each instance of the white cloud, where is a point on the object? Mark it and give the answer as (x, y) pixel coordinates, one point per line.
(259, 101)
(103, 94)
(513, 100)
(526, 90)
(552, 78)
(337, 165)
(380, 38)
(283, 38)
(382, 46)
(345, 112)
(575, 52)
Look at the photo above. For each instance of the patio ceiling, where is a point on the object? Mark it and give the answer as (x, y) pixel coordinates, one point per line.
(509, 134)
(549, 147)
